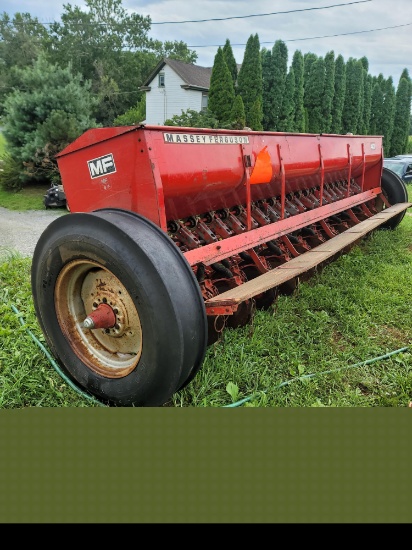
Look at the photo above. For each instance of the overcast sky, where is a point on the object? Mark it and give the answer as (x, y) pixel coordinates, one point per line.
(381, 30)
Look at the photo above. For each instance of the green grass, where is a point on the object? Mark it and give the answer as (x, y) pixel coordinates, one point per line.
(29, 198)
(309, 350)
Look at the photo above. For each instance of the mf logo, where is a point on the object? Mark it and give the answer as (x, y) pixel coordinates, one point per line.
(101, 166)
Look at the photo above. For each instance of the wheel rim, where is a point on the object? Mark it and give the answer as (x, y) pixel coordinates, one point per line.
(81, 286)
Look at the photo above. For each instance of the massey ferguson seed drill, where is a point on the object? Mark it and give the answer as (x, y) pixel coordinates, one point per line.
(174, 233)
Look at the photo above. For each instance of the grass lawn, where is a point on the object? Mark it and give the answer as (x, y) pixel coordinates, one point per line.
(29, 198)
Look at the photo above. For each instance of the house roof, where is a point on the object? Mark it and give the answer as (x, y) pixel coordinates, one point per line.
(193, 76)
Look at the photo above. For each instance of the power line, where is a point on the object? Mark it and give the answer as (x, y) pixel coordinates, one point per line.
(308, 38)
(216, 18)
(347, 33)
(255, 14)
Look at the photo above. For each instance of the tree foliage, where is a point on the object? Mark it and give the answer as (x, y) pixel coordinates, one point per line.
(388, 112)
(274, 84)
(132, 116)
(194, 119)
(230, 61)
(328, 92)
(339, 95)
(221, 91)
(237, 114)
(52, 108)
(353, 104)
(250, 86)
(376, 119)
(299, 108)
(287, 120)
(314, 90)
(112, 49)
(21, 41)
(367, 103)
(399, 143)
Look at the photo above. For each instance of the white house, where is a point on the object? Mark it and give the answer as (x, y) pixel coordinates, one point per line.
(173, 87)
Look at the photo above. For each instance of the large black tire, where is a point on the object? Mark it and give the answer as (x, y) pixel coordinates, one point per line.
(395, 192)
(115, 256)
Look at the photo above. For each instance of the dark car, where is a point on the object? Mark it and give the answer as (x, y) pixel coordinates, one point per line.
(401, 166)
(55, 197)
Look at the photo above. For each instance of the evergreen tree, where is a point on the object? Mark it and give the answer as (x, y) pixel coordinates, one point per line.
(308, 59)
(328, 92)
(249, 83)
(363, 127)
(230, 61)
(376, 118)
(339, 95)
(255, 115)
(314, 89)
(51, 109)
(400, 134)
(299, 113)
(274, 84)
(388, 113)
(352, 108)
(287, 122)
(237, 114)
(367, 103)
(361, 98)
(267, 86)
(221, 91)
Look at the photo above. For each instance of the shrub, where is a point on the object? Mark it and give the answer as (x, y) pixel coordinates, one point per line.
(11, 173)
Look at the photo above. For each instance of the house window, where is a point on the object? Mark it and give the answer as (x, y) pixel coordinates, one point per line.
(205, 99)
(161, 80)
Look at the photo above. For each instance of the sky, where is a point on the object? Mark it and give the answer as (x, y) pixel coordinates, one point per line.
(378, 29)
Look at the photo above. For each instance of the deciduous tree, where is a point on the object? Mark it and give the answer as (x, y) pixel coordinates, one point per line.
(21, 41)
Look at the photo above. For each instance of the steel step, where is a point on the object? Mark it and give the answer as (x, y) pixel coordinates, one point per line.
(304, 262)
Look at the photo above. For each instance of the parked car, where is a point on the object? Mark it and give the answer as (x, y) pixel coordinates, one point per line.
(401, 166)
(55, 197)
(405, 156)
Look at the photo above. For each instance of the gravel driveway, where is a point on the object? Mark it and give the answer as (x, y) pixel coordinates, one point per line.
(20, 231)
